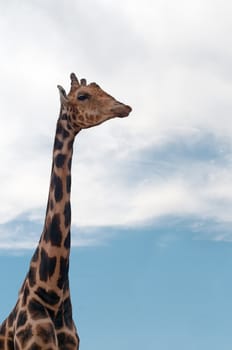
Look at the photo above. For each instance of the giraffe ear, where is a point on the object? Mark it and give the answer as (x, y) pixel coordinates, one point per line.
(63, 96)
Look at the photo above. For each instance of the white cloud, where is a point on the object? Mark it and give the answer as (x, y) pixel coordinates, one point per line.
(171, 62)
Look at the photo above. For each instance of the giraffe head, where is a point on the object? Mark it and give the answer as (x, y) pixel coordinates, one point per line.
(88, 105)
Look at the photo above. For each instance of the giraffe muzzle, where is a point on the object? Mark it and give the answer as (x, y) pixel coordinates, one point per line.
(121, 110)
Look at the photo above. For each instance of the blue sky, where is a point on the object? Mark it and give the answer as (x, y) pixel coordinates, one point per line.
(155, 287)
(152, 193)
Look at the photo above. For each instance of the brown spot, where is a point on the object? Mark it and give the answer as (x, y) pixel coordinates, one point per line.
(53, 231)
(11, 319)
(24, 335)
(58, 322)
(37, 311)
(47, 266)
(46, 333)
(47, 296)
(35, 346)
(32, 276)
(67, 340)
(22, 318)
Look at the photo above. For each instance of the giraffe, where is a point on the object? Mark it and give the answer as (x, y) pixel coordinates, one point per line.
(42, 317)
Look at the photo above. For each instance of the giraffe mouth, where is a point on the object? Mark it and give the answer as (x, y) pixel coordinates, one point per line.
(121, 110)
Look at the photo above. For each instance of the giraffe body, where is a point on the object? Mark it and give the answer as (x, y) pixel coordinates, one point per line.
(42, 317)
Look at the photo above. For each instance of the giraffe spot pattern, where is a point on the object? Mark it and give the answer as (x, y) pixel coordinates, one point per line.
(68, 313)
(53, 232)
(57, 183)
(76, 125)
(66, 286)
(51, 313)
(46, 333)
(65, 134)
(58, 322)
(32, 276)
(10, 334)
(10, 344)
(63, 272)
(59, 128)
(47, 266)
(68, 183)
(58, 145)
(36, 310)
(67, 241)
(67, 214)
(11, 319)
(51, 204)
(60, 160)
(49, 297)
(35, 346)
(65, 340)
(64, 116)
(24, 335)
(22, 318)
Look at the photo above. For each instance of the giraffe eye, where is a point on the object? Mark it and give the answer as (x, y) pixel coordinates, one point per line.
(83, 97)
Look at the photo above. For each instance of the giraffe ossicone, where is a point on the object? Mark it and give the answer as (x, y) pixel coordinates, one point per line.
(42, 317)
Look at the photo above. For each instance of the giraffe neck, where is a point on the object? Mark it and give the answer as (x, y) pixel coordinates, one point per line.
(49, 266)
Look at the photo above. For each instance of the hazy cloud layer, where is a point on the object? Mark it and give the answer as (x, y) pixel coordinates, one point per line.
(171, 62)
